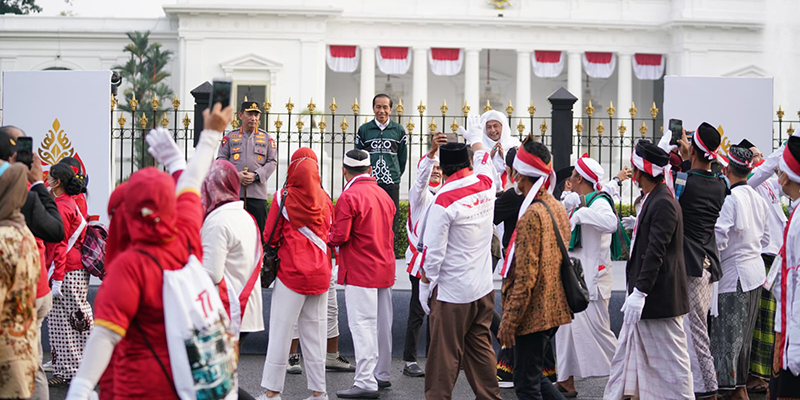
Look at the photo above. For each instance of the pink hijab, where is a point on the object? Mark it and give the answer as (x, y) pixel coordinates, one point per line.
(221, 186)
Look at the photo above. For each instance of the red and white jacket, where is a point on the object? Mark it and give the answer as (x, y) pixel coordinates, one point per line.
(457, 234)
(420, 197)
(362, 229)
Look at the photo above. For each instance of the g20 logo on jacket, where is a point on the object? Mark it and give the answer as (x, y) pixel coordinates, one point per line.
(382, 145)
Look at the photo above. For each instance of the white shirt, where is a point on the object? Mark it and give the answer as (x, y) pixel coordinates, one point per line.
(741, 233)
(380, 125)
(790, 298)
(457, 235)
(230, 237)
(770, 191)
(597, 222)
(420, 198)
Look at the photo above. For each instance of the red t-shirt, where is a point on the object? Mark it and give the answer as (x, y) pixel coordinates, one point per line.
(132, 290)
(305, 268)
(80, 201)
(66, 260)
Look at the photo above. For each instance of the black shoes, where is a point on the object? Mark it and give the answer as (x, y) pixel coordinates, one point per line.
(413, 370)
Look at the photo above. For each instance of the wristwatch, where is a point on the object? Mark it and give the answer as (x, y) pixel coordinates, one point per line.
(619, 181)
(258, 178)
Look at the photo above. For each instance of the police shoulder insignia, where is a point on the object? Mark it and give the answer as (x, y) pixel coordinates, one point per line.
(272, 143)
(224, 140)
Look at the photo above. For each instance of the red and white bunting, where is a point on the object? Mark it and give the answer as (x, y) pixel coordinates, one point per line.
(343, 58)
(445, 62)
(599, 65)
(393, 60)
(547, 64)
(648, 67)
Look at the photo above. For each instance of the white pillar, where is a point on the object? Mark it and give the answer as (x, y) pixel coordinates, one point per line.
(624, 86)
(367, 80)
(472, 79)
(420, 85)
(523, 83)
(575, 80)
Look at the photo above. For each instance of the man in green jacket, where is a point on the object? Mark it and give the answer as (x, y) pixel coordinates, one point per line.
(385, 141)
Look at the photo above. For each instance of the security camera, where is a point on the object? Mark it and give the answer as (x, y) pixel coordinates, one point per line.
(116, 80)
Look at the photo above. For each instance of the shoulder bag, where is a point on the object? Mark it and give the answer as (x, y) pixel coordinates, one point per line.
(269, 268)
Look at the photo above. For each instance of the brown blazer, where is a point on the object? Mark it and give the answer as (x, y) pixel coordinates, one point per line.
(533, 295)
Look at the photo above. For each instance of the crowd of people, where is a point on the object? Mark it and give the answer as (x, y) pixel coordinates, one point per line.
(712, 307)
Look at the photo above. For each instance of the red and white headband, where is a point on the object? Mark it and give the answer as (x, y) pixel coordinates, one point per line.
(590, 170)
(528, 164)
(737, 160)
(654, 170)
(709, 154)
(789, 165)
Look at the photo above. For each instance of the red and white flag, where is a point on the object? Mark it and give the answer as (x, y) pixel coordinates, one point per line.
(599, 65)
(343, 58)
(393, 60)
(648, 67)
(445, 62)
(547, 64)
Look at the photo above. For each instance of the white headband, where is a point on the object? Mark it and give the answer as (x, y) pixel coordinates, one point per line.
(353, 163)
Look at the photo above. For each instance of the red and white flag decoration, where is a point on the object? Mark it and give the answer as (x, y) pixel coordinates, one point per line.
(547, 64)
(599, 65)
(343, 58)
(648, 67)
(393, 60)
(445, 62)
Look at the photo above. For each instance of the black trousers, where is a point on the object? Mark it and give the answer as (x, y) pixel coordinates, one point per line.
(394, 192)
(415, 317)
(529, 352)
(258, 209)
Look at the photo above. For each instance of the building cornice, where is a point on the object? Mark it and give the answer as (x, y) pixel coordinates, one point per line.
(250, 10)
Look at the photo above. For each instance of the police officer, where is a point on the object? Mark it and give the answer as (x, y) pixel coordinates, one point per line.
(254, 154)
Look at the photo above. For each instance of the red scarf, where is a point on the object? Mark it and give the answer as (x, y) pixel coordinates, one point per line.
(306, 203)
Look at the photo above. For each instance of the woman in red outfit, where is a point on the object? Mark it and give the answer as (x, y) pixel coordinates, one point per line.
(70, 319)
(80, 198)
(300, 293)
(163, 220)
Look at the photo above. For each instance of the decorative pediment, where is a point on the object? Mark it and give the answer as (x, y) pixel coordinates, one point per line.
(750, 71)
(250, 62)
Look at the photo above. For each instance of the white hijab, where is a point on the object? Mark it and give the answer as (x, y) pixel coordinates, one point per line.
(506, 139)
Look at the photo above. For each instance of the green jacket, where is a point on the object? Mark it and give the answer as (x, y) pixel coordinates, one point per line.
(387, 149)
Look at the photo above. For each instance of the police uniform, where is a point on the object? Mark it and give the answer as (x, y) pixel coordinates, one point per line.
(257, 152)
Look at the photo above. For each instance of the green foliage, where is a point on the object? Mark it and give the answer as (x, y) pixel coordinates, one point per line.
(23, 7)
(401, 238)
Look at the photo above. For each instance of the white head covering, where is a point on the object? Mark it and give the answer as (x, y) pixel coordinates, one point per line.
(507, 140)
(590, 170)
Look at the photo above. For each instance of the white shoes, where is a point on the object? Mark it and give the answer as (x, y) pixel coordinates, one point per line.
(323, 397)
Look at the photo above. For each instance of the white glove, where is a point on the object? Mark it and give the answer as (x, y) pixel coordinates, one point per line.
(628, 222)
(81, 389)
(56, 289)
(474, 132)
(793, 354)
(424, 296)
(165, 150)
(664, 143)
(774, 159)
(633, 306)
(571, 200)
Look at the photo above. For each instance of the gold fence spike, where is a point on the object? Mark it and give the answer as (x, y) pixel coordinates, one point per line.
(154, 103)
(133, 103)
(531, 109)
(632, 111)
(186, 121)
(790, 131)
(366, 119)
(333, 107)
(267, 106)
(780, 113)
(590, 110)
(355, 107)
(465, 109)
(543, 127)
(289, 105)
(410, 125)
(444, 108)
(520, 127)
(235, 122)
(509, 109)
(653, 112)
(400, 108)
(175, 103)
(143, 121)
(421, 108)
(344, 125)
(164, 120)
(611, 110)
(432, 126)
(643, 129)
(278, 124)
(622, 128)
(113, 102)
(322, 124)
(600, 128)
(579, 128)
(299, 125)
(121, 121)
(488, 106)
(454, 126)
(311, 106)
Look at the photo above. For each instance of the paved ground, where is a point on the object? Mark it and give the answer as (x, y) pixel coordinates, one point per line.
(403, 387)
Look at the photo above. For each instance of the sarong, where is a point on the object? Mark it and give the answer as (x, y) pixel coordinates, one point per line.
(69, 324)
(696, 327)
(586, 346)
(731, 335)
(764, 332)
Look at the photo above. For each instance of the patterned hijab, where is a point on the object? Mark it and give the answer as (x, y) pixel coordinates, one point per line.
(221, 186)
(13, 193)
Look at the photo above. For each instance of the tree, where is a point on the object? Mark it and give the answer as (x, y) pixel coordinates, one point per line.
(19, 7)
(144, 73)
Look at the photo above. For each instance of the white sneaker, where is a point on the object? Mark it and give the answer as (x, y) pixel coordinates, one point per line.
(263, 396)
(48, 366)
(323, 397)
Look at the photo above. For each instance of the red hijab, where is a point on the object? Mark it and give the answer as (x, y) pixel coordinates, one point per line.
(221, 186)
(150, 207)
(307, 203)
(118, 235)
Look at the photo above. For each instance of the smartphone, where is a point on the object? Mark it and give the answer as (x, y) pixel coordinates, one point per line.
(25, 150)
(221, 92)
(676, 127)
